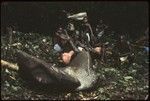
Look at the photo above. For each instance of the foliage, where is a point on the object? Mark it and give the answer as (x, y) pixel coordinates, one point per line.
(126, 81)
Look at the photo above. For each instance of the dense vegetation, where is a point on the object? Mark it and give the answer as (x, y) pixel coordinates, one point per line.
(122, 81)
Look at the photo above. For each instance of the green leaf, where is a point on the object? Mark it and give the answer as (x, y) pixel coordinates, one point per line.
(101, 90)
(128, 78)
(14, 88)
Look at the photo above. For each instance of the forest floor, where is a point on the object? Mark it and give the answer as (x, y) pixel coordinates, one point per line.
(124, 81)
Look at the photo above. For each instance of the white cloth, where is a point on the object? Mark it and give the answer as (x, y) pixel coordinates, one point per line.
(57, 48)
(87, 34)
(79, 16)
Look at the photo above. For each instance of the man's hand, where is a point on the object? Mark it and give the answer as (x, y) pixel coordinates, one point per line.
(66, 57)
(98, 50)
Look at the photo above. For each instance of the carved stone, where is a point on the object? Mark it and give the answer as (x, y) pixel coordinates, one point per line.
(78, 75)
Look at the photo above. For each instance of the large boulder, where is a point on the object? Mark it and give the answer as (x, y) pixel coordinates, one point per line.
(77, 76)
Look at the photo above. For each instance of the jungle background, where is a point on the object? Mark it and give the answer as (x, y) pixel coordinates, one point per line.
(29, 26)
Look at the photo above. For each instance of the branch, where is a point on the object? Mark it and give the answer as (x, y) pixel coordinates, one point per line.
(8, 65)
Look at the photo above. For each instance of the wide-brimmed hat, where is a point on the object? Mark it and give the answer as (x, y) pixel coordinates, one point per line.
(78, 16)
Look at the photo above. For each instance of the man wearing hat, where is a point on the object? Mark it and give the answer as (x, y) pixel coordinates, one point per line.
(63, 47)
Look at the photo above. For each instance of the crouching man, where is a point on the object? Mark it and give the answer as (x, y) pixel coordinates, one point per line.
(62, 48)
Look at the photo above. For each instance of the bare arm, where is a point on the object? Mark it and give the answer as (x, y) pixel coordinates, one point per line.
(66, 57)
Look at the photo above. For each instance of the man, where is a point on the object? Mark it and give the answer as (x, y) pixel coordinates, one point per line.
(122, 51)
(88, 38)
(66, 49)
(62, 47)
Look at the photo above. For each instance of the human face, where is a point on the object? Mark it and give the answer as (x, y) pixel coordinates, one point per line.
(85, 20)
